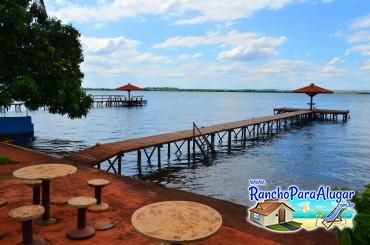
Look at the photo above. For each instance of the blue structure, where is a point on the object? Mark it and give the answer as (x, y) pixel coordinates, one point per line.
(16, 127)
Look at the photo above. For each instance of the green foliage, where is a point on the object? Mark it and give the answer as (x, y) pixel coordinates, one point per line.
(360, 232)
(4, 160)
(40, 61)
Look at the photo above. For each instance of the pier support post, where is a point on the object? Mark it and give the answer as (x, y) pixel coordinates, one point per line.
(189, 152)
(139, 161)
(168, 150)
(119, 158)
(229, 141)
(159, 156)
(213, 140)
(194, 149)
(244, 136)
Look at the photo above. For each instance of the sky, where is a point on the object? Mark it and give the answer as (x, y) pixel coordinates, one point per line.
(219, 44)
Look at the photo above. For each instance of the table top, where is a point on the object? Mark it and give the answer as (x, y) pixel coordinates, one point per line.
(177, 221)
(44, 171)
(82, 202)
(27, 212)
(98, 182)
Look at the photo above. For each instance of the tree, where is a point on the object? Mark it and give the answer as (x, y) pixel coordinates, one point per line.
(359, 233)
(40, 61)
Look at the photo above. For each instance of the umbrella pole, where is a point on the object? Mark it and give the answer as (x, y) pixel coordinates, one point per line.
(311, 102)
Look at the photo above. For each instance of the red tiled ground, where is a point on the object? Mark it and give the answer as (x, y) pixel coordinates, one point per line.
(124, 195)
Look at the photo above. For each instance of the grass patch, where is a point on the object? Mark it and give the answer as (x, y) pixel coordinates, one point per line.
(4, 160)
(295, 224)
(277, 227)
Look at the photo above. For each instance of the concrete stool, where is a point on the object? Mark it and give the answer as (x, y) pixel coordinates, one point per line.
(36, 187)
(82, 231)
(26, 214)
(3, 202)
(98, 184)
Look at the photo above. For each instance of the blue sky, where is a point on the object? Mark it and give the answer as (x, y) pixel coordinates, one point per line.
(237, 44)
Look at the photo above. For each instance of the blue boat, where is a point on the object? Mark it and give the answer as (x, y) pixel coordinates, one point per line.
(17, 128)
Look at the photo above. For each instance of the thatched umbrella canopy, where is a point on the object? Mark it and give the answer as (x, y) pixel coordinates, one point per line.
(312, 90)
(129, 87)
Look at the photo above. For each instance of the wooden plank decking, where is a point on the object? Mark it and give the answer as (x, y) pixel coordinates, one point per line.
(322, 111)
(97, 154)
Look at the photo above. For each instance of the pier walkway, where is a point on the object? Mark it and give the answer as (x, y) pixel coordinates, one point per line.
(319, 114)
(197, 144)
(202, 140)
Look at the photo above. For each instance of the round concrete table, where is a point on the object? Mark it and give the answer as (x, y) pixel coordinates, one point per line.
(45, 173)
(176, 222)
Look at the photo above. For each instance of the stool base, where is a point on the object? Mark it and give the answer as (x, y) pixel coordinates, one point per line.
(50, 221)
(3, 202)
(35, 242)
(99, 208)
(103, 224)
(80, 234)
(59, 201)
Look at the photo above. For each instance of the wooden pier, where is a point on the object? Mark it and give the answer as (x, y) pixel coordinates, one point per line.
(319, 114)
(118, 101)
(17, 107)
(195, 143)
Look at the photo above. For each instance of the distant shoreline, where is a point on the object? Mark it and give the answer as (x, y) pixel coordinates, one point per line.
(231, 90)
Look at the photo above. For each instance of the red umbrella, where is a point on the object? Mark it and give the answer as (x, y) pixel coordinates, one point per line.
(313, 90)
(129, 87)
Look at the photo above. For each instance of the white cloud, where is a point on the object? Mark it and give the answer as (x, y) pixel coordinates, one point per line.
(247, 53)
(204, 10)
(244, 45)
(107, 45)
(360, 36)
(115, 56)
(361, 23)
(363, 49)
(234, 38)
(334, 61)
(358, 33)
(150, 58)
(187, 57)
(332, 69)
(366, 66)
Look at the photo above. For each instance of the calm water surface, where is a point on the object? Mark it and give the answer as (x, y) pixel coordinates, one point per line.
(315, 154)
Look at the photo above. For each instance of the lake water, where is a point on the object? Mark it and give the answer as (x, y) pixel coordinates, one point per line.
(336, 154)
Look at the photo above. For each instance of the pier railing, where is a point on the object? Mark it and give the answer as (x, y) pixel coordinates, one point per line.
(202, 142)
(117, 100)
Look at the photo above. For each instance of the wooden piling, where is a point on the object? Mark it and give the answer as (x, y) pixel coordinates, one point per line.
(139, 161)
